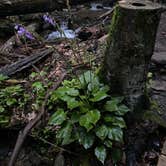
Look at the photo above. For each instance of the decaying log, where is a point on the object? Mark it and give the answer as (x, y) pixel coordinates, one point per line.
(15, 7)
(130, 47)
(24, 63)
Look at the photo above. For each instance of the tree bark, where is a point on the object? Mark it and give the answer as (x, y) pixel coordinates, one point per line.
(130, 47)
(16, 7)
(129, 50)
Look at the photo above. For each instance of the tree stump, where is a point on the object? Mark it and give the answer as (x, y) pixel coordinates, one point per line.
(130, 47)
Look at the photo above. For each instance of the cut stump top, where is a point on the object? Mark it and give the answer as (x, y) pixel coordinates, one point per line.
(138, 5)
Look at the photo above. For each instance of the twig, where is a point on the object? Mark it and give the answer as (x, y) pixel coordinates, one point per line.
(107, 13)
(23, 134)
(53, 145)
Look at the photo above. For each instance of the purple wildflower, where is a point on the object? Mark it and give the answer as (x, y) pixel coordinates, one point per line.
(16, 27)
(49, 20)
(29, 35)
(21, 31)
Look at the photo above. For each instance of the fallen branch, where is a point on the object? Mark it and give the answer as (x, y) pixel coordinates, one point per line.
(107, 13)
(23, 134)
(53, 145)
(24, 63)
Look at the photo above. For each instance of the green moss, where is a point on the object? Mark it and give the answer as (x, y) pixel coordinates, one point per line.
(154, 117)
(114, 22)
(112, 28)
(4, 120)
(154, 114)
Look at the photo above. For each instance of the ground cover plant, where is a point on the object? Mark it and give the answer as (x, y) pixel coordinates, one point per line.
(81, 109)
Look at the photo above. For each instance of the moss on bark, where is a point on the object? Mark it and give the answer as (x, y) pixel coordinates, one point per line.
(130, 47)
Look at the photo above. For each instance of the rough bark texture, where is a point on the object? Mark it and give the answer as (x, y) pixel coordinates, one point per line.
(130, 47)
(15, 7)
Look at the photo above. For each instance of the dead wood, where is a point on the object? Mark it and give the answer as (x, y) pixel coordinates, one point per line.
(23, 134)
(16, 7)
(25, 63)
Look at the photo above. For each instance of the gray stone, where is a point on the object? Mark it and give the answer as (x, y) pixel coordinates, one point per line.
(159, 58)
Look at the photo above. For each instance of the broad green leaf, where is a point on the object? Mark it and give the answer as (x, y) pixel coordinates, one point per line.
(2, 109)
(72, 92)
(118, 99)
(114, 120)
(3, 77)
(64, 134)
(86, 77)
(89, 119)
(74, 83)
(119, 121)
(105, 88)
(83, 97)
(84, 109)
(115, 134)
(43, 73)
(93, 87)
(33, 74)
(101, 153)
(122, 109)
(109, 118)
(111, 106)
(100, 95)
(53, 97)
(13, 90)
(102, 132)
(58, 117)
(85, 122)
(75, 116)
(38, 85)
(94, 116)
(108, 143)
(86, 139)
(4, 119)
(11, 101)
(73, 103)
(66, 98)
(61, 92)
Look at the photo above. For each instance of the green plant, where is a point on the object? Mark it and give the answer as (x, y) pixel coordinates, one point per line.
(87, 114)
(39, 87)
(10, 97)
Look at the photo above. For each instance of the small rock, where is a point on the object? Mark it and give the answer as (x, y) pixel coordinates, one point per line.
(159, 85)
(159, 58)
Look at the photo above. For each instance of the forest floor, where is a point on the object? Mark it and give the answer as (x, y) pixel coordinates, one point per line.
(19, 58)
